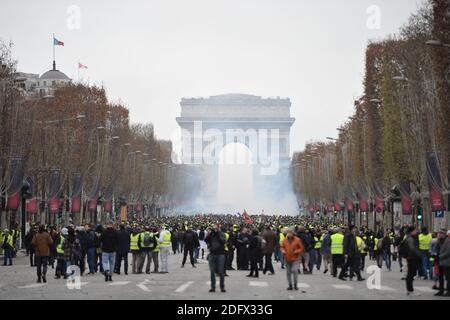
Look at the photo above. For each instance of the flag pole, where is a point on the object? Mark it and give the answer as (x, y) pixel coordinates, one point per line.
(78, 71)
(54, 63)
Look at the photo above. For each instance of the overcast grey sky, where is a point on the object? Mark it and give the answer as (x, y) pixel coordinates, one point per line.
(151, 53)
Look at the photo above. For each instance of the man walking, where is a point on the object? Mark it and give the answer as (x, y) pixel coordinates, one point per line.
(122, 249)
(216, 244)
(337, 250)
(109, 240)
(271, 238)
(42, 243)
(413, 258)
(190, 242)
(352, 255)
(292, 248)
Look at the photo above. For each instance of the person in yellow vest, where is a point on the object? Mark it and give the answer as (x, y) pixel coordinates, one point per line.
(60, 262)
(227, 240)
(8, 247)
(146, 243)
(283, 233)
(135, 251)
(337, 250)
(155, 252)
(317, 245)
(16, 236)
(425, 238)
(365, 250)
(165, 243)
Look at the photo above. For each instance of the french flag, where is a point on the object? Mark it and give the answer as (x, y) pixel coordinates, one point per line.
(56, 42)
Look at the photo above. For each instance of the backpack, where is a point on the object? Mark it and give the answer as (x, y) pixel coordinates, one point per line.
(201, 235)
(403, 249)
(149, 241)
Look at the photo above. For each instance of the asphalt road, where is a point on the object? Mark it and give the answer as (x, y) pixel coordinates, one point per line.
(19, 282)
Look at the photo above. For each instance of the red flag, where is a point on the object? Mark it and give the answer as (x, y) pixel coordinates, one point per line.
(247, 218)
(81, 66)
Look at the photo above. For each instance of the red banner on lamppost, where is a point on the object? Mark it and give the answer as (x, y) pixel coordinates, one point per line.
(92, 205)
(379, 204)
(107, 206)
(31, 206)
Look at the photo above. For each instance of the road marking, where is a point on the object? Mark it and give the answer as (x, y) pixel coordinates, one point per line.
(424, 289)
(386, 288)
(119, 283)
(303, 285)
(342, 286)
(258, 284)
(143, 286)
(33, 285)
(184, 286)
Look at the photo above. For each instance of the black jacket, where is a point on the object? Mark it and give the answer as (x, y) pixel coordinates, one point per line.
(254, 248)
(350, 245)
(216, 242)
(124, 242)
(109, 240)
(190, 240)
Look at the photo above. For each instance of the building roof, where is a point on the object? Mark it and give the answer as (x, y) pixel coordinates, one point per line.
(237, 99)
(54, 74)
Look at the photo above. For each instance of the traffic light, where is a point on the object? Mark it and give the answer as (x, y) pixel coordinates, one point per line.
(419, 213)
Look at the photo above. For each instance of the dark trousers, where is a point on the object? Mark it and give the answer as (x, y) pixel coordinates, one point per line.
(32, 258)
(216, 265)
(363, 261)
(41, 264)
(174, 246)
(352, 263)
(243, 259)
(444, 272)
(82, 262)
(8, 255)
(122, 256)
(230, 257)
(268, 265)
(337, 262)
(191, 255)
(413, 265)
(254, 266)
(60, 266)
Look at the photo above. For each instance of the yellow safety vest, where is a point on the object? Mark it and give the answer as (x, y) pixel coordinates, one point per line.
(166, 239)
(9, 239)
(134, 242)
(424, 241)
(59, 247)
(337, 243)
(282, 236)
(318, 243)
(227, 236)
(359, 243)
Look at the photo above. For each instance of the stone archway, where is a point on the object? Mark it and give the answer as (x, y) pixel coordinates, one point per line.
(262, 124)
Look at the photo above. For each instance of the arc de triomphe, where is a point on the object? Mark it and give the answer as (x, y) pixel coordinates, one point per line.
(262, 124)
